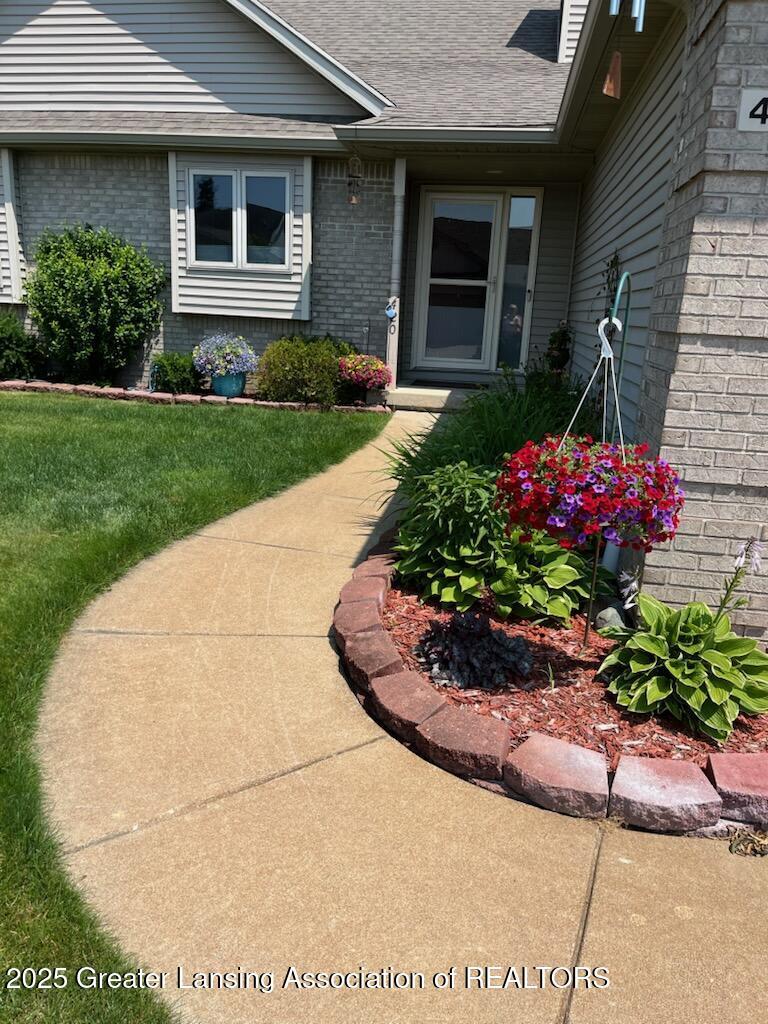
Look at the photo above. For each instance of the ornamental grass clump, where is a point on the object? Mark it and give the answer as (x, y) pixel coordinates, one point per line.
(219, 355)
(367, 372)
(576, 489)
(689, 662)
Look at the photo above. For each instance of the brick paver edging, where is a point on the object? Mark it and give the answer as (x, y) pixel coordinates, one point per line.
(166, 398)
(657, 794)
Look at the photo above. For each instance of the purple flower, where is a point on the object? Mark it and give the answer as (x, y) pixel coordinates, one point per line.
(523, 474)
(599, 488)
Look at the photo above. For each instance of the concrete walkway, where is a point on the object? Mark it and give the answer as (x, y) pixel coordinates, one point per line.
(224, 802)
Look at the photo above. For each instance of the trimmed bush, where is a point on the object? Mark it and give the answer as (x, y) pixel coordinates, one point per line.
(20, 355)
(175, 373)
(303, 369)
(95, 300)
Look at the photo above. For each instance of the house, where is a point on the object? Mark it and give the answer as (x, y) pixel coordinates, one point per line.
(300, 167)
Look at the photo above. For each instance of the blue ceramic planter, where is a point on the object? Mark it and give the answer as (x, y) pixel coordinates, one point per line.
(231, 385)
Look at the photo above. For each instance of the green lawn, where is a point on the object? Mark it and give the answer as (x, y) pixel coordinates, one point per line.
(87, 489)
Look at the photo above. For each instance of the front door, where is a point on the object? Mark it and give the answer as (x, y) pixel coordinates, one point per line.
(475, 279)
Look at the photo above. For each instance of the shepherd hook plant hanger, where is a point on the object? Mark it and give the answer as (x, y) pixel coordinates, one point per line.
(606, 362)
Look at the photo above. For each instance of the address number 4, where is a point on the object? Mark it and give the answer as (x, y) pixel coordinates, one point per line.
(760, 111)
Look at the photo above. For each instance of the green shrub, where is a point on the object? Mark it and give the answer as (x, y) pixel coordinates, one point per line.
(453, 547)
(303, 369)
(20, 355)
(490, 424)
(689, 663)
(95, 300)
(176, 373)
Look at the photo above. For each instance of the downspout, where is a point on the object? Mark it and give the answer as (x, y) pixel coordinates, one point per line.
(395, 280)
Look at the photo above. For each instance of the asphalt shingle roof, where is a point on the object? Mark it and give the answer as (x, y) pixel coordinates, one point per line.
(450, 62)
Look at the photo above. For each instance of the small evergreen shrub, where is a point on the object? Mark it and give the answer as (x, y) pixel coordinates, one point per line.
(20, 355)
(303, 369)
(175, 373)
(95, 300)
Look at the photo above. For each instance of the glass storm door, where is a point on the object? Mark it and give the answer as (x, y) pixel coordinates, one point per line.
(476, 256)
(458, 289)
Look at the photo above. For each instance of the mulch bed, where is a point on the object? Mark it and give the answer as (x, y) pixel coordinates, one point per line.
(578, 709)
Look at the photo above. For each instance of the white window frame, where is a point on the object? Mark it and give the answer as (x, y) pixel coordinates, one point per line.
(239, 261)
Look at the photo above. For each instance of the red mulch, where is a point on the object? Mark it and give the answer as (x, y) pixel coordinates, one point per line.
(579, 708)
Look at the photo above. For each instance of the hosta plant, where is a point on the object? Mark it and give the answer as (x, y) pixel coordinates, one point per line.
(453, 546)
(690, 663)
(536, 578)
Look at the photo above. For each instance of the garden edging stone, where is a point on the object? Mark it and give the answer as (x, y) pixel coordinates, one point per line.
(404, 702)
(166, 398)
(655, 794)
(742, 782)
(560, 776)
(663, 795)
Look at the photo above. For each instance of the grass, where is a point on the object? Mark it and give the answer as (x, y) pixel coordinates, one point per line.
(87, 489)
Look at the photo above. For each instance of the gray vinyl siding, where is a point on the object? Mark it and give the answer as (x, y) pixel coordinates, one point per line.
(183, 55)
(553, 271)
(622, 210)
(238, 292)
(572, 19)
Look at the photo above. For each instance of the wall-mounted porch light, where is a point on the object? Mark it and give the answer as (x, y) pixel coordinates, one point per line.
(354, 179)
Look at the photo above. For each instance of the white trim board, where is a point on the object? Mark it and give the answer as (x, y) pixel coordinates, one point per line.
(11, 223)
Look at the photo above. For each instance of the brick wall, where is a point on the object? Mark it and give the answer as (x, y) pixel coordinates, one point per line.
(706, 370)
(128, 192)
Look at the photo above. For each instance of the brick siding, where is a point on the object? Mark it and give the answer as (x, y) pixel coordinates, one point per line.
(706, 369)
(128, 192)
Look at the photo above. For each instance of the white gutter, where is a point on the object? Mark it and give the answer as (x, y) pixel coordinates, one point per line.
(303, 143)
(431, 133)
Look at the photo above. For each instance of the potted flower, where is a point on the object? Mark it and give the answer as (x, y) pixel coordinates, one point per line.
(225, 358)
(366, 372)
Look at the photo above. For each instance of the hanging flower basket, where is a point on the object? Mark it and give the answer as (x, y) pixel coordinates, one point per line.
(578, 488)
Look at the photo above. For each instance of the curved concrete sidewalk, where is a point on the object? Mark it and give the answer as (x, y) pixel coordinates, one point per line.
(224, 802)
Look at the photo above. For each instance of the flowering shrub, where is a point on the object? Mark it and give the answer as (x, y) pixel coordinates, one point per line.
(366, 371)
(586, 489)
(221, 354)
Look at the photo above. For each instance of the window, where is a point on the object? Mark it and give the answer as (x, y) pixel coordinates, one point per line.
(266, 213)
(240, 219)
(214, 233)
